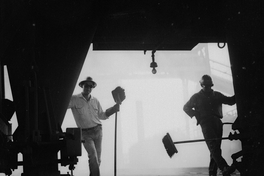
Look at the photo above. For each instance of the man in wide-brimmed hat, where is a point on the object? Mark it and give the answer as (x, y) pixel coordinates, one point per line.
(88, 114)
(206, 106)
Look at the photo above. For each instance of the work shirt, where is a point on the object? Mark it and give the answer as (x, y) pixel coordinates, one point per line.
(87, 114)
(205, 105)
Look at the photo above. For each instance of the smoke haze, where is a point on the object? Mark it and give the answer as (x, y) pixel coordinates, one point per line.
(153, 107)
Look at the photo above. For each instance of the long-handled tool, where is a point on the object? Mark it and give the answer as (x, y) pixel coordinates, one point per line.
(115, 144)
(171, 148)
(119, 96)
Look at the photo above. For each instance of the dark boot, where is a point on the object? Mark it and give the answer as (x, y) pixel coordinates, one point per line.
(228, 170)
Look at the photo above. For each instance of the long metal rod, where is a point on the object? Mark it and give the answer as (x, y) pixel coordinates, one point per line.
(199, 140)
(115, 144)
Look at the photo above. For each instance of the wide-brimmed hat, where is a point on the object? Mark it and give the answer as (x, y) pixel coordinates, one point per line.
(88, 80)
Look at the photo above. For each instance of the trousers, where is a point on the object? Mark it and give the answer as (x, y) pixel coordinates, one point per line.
(212, 128)
(93, 145)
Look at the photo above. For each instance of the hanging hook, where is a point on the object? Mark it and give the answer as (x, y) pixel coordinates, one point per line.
(221, 47)
(153, 64)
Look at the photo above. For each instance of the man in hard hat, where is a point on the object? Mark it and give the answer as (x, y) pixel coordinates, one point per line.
(88, 114)
(206, 106)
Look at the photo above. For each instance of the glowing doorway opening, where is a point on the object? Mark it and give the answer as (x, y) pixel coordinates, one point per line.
(154, 106)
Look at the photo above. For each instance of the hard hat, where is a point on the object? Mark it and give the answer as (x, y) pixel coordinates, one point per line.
(206, 80)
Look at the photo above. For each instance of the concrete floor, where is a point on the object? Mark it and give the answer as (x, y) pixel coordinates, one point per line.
(178, 172)
(198, 172)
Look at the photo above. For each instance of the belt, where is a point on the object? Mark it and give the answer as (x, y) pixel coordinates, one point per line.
(92, 128)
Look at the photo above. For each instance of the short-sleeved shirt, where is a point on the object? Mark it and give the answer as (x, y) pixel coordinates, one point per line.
(87, 114)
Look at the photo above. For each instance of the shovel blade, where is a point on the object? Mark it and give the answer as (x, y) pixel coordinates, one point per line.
(169, 145)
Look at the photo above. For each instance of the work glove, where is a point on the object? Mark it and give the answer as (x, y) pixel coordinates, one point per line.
(112, 110)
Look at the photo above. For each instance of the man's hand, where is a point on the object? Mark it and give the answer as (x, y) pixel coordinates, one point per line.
(116, 107)
(112, 110)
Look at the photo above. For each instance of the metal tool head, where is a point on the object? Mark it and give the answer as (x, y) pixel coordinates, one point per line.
(169, 145)
(119, 95)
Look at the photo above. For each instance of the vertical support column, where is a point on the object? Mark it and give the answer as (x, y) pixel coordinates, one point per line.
(2, 86)
(140, 121)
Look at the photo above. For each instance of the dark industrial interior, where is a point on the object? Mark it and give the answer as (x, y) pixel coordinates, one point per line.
(44, 45)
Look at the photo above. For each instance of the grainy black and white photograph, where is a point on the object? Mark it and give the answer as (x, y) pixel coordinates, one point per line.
(131, 88)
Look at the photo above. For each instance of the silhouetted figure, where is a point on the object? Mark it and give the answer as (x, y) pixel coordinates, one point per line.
(206, 106)
(88, 114)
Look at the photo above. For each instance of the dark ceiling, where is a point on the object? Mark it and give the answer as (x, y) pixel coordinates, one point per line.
(132, 24)
(161, 25)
